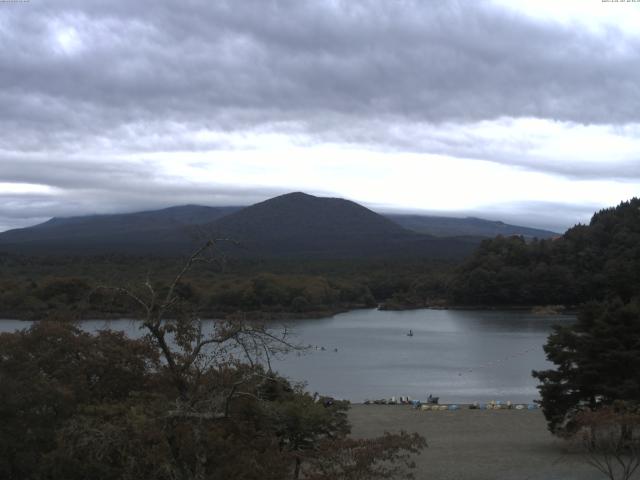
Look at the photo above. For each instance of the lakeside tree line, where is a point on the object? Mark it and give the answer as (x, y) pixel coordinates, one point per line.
(32, 286)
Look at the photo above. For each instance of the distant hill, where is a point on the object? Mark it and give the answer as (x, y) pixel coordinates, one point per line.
(93, 225)
(471, 226)
(156, 232)
(294, 225)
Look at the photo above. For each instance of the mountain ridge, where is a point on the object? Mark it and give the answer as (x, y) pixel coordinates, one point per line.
(441, 226)
(295, 224)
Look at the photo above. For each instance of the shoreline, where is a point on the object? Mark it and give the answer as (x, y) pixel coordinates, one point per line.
(482, 406)
(210, 315)
(257, 315)
(538, 309)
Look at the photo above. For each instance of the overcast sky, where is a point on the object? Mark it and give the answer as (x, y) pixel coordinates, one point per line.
(523, 111)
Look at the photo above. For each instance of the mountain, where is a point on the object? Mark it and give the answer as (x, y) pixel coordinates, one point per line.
(471, 226)
(294, 225)
(301, 221)
(297, 224)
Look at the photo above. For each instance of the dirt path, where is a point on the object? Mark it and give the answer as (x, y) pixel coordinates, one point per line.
(478, 444)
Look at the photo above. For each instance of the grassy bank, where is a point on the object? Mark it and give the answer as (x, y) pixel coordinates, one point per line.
(478, 444)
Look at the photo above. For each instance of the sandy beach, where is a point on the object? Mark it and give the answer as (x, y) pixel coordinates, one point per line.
(478, 444)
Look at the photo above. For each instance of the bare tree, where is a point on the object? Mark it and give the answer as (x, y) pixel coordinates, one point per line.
(193, 351)
(610, 437)
(220, 379)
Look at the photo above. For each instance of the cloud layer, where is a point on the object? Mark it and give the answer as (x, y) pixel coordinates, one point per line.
(94, 93)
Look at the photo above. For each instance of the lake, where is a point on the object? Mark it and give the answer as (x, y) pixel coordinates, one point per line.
(460, 356)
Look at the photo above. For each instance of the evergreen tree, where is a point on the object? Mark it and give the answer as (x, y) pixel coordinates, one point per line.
(597, 363)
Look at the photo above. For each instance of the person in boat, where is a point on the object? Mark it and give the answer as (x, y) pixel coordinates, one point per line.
(410, 334)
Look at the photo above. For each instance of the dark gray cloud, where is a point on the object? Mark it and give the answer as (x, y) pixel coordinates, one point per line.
(79, 173)
(89, 186)
(69, 69)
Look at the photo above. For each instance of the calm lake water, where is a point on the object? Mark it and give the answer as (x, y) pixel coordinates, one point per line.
(460, 356)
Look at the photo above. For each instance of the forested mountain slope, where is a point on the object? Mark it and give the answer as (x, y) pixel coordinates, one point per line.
(588, 262)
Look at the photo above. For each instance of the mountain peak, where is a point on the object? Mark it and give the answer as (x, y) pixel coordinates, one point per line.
(293, 195)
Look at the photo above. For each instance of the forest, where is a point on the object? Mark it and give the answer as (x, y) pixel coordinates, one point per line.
(276, 288)
(597, 261)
